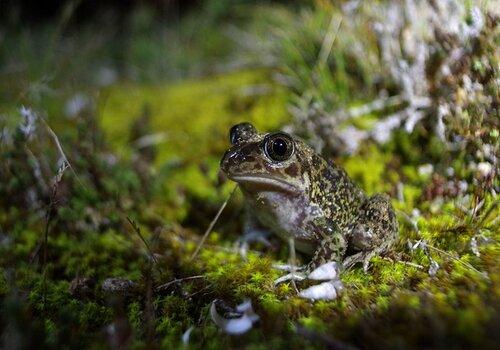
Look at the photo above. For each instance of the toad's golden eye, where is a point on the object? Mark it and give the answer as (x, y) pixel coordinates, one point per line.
(278, 146)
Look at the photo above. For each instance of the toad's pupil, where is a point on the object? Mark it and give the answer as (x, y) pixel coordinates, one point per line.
(279, 147)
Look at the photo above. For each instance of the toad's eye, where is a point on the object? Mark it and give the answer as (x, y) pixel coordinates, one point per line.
(278, 146)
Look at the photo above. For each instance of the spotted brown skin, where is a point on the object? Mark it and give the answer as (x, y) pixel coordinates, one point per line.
(296, 193)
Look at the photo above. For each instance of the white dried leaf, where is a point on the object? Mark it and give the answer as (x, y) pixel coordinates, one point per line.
(186, 335)
(484, 169)
(433, 268)
(77, 104)
(415, 214)
(63, 165)
(239, 320)
(325, 291)
(474, 247)
(325, 272)
(413, 118)
(28, 126)
(382, 130)
(414, 246)
(352, 137)
(425, 169)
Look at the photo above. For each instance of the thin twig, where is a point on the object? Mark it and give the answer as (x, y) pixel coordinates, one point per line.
(488, 212)
(328, 41)
(409, 263)
(177, 280)
(293, 261)
(61, 151)
(49, 214)
(457, 260)
(212, 224)
(376, 105)
(233, 250)
(138, 231)
(48, 219)
(149, 310)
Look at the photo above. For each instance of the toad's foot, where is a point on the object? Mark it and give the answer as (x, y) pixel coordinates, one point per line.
(292, 276)
(255, 235)
(361, 257)
(328, 272)
(288, 267)
(296, 273)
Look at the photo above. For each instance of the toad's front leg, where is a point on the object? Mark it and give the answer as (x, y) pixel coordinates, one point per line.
(323, 267)
(331, 249)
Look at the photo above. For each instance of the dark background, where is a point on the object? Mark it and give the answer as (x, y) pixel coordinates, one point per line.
(33, 11)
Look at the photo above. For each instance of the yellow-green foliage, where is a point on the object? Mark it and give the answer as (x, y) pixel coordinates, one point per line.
(195, 116)
(369, 169)
(109, 254)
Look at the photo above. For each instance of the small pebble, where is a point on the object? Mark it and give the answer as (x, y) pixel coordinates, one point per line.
(118, 286)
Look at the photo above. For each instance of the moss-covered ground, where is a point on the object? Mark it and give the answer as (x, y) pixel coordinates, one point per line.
(397, 303)
(125, 186)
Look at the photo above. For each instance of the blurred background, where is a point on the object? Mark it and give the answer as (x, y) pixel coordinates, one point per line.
(114, 116)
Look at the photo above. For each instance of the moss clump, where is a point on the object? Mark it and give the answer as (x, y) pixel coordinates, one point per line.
(195, 115)
(373, 159)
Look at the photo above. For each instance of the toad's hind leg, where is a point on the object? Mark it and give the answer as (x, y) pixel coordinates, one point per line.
(374, 231)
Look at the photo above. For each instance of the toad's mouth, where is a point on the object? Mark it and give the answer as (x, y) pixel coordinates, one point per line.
(262, 183)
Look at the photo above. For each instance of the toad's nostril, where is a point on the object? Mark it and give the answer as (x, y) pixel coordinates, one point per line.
(228, 159)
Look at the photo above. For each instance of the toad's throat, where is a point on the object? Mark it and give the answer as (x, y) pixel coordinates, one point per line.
(260, 183)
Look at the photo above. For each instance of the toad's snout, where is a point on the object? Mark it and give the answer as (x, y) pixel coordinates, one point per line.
(228, 160)
(235, 158)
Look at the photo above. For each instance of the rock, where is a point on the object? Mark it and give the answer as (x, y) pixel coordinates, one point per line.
(233, 321)
(325, 272)
(325, 291)
(82, 287)
(117, 286)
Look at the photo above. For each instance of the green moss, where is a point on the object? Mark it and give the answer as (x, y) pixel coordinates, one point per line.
(136, 317)
(108, 254)
(395, 304)
(368, 169)
(194, 115)
(4, 288)
(313, 323)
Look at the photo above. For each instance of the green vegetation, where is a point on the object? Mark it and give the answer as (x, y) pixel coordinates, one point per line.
(124, 182)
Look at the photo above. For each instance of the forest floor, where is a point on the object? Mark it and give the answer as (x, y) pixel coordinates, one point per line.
(106, 192)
